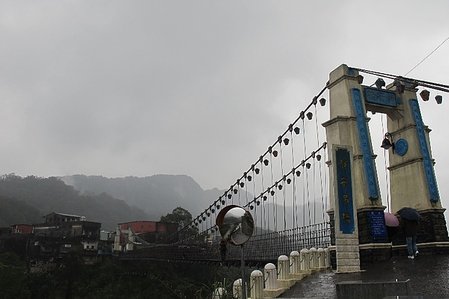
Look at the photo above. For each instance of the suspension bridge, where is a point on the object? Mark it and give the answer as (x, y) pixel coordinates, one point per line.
(317, 184)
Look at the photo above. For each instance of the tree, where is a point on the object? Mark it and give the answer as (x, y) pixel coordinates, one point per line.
(179, 215)
(183, 218)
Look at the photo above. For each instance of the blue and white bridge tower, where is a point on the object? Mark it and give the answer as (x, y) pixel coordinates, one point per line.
(356, 209)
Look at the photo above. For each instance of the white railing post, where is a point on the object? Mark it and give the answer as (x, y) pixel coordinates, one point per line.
(256, 284)
(321, 259)
(313, 259)
(294, 262)
(237, 289)
(304, 257)
(271, 277)
(283, 267)
(328, 258)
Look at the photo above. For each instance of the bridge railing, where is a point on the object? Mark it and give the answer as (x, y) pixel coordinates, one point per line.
(270, 246)
(263, 247)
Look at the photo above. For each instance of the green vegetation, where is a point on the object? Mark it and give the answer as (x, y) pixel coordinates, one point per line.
(182, 217)
(71, 278)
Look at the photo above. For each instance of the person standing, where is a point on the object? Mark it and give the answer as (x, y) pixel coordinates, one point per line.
(223, 249)
(411, 230)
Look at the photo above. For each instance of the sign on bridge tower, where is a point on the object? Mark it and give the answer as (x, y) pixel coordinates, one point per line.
(357, 214)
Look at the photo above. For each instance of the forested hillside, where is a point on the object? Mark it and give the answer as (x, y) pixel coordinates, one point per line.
(26, 200)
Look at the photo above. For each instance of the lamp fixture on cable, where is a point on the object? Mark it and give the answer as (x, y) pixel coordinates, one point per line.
(424, 95)
(379, 83)
(387, 142)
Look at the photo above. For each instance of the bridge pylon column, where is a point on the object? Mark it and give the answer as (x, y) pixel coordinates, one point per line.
(356, 210)
(412, 176)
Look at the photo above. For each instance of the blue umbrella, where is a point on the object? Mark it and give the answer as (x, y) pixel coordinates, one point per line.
(409, 214)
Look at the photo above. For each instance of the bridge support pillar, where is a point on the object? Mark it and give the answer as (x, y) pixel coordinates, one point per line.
(304, 261)
(321, 259)
(284, 279)
(272, 288)
(356, 209)
(237, 289)
(314, 265)
(256, 283)
(327, 255)
(295, 266)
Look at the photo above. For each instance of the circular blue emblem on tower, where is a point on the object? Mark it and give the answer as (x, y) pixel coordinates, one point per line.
(401, 147)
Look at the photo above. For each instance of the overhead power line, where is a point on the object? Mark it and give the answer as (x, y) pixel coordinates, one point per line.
(428, 55)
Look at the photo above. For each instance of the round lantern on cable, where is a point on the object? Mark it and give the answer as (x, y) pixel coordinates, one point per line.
(379, 83)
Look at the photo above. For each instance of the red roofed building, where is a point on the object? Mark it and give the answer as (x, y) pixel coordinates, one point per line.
(24, 229)
(135, 234)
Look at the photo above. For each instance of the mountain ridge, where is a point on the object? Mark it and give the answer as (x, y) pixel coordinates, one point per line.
(156, 195)
(26, 200)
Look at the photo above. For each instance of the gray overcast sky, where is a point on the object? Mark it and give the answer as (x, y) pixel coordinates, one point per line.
(120, 88)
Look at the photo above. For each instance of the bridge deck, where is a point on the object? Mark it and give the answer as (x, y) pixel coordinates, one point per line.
(429, 276)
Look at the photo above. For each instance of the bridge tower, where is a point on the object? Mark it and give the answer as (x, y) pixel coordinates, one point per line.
(356, 209)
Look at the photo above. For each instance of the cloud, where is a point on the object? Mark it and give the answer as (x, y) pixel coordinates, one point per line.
(199, 88)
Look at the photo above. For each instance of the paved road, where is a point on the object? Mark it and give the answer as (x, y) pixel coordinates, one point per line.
(429, 278)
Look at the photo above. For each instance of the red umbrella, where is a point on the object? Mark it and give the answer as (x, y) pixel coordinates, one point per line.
(391, 220)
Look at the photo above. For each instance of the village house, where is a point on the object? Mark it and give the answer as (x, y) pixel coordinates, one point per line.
(134, 235)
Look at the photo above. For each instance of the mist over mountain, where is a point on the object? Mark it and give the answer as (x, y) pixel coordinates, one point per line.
(111, 201)
(156, 195)
(27, 200)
